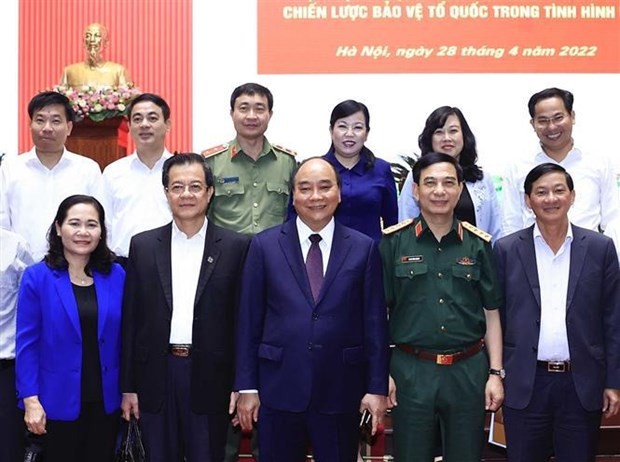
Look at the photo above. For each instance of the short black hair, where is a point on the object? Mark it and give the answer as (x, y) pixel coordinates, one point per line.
(153, 98)
(47, 98)
(102, 257)
(185, 158)
(544, 169)
(553, 92)
(432, 158)
(301, 164)
(251, 89)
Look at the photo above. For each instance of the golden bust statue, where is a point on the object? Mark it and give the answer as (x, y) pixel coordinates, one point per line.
(95, 70)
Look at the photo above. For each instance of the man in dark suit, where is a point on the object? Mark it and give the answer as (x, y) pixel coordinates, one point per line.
(179, 313)
(561, 318)
(313, 348)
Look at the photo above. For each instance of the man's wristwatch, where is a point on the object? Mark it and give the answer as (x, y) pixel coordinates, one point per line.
(500, 372)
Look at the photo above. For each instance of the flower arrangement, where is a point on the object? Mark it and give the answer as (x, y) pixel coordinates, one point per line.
(98, 103)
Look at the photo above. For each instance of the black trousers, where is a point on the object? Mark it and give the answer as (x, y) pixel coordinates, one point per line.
(92, 437)
(11, 421)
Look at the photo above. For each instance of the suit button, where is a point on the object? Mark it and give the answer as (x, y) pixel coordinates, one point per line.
(441, 301)
(315, 316)
(534, 349)
(310, 346)
(439, 275)
(538, 322)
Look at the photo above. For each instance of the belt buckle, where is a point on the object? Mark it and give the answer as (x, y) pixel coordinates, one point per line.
(556, 366)
(182, 352)
(444, 360)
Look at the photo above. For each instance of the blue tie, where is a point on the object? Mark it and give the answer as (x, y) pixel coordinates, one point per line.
(314, 266)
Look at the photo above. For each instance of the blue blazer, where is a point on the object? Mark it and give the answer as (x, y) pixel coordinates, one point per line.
(592, 315)
(299, 353)
(49, 340)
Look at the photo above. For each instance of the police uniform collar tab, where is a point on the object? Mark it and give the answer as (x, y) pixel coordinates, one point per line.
(280, 148)
(397, 227)
(476, 231)
(214, 150)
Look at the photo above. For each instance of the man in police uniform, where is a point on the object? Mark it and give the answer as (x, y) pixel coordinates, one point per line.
(252, 176)
(252, 181)
(442, 294)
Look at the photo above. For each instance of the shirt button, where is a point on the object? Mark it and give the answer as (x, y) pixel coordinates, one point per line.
(255, 204)
(441, 301)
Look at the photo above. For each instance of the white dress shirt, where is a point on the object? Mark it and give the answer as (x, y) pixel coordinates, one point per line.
(134, 200)
(613, 231)
(30, 193)
(596, 191)
(186, 261)
(325, 244)
(553, 270)
(14, 258)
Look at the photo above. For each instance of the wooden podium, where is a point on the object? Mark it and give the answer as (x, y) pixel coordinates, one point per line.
(97, 140)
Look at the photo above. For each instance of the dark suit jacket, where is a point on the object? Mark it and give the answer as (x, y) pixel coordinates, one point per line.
(299, 354)
(147, 313)
(49, 340)
(592, 315)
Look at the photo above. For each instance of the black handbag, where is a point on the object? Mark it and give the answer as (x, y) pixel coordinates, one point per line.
(132, 449)
(34, 447)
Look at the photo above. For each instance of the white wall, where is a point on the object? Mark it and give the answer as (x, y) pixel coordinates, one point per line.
(495, 104)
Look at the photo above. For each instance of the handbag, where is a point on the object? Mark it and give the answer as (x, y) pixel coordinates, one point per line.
(132, 449)
(34, 447)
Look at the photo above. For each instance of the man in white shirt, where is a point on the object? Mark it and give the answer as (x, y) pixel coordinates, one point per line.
(14, 258)
(613, 231)
(131, 191)
(596, 202)
(560, 319)
(33, 184)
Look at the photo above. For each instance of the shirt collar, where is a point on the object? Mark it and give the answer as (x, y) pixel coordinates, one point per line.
(327, 233)
(32, 158)
(420, 227)
(178, 234)
(157, 166)
(235, 148)
(538, 233)
(358, 168)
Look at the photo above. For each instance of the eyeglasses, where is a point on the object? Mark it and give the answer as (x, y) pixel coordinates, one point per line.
(194, 188)
(546, 121)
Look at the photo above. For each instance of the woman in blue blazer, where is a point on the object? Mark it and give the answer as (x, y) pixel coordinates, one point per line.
(447, 131)
(68, 338)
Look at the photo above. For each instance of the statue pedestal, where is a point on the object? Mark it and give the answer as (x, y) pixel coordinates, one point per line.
(97, 140)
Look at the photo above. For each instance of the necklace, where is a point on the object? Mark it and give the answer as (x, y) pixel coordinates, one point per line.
(80, 279)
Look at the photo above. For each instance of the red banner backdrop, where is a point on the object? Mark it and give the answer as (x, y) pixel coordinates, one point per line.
(152, 39)
(408, 36)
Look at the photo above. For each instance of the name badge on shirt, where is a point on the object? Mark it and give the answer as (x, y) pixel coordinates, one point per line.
(228, 179)
(412, 259)
(465, 261)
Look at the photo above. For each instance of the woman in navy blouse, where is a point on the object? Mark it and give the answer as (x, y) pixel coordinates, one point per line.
(368, 193)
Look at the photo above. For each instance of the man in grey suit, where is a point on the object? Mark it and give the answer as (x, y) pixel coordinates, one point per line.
(560, 318)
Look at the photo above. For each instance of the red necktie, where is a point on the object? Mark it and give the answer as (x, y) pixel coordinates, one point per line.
(314, 265)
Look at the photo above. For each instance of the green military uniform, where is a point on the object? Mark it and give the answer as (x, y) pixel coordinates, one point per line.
(436, 294)
(250, 196)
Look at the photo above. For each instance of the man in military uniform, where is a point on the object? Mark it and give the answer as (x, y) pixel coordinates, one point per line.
(252, 176)
(442, 294)
(252, 182)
